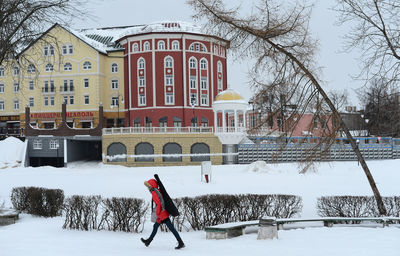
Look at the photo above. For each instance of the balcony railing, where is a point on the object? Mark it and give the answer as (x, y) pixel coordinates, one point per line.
(49, 90)
(67, 89)
(140, 130)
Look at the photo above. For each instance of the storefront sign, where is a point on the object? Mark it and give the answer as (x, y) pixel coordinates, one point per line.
(9, 118)
(77, 114)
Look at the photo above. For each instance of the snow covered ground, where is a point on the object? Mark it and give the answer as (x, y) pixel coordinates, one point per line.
(40, 236)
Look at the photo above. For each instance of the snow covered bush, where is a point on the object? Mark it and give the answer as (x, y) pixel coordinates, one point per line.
(355, 206)
(38, 201)
(209, 210)
(95, 213)
(124, 214)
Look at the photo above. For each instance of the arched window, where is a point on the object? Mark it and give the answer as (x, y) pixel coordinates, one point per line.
(192, 62)
(203, 64)
(117, 152)
(135, 47)
(161, 45)
(49, 67)
(67, 66)
(114, 68)
(175, 45)
(215, 49)
(87, 65)
(197, 47)
(172, 149)
(31, 68)
(200, 148)
(146, 46)
(141, 63)
(144, 148)
(219, 76)
(168, 62)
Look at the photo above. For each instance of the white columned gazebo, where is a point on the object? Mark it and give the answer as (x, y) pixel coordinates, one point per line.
(232, 106)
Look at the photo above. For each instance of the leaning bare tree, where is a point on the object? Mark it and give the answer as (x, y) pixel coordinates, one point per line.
(278, 38)
(23, 21)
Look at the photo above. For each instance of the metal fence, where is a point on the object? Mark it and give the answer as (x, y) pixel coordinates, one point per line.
(293, 152)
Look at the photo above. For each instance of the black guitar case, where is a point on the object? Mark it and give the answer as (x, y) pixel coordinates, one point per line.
(169, 204)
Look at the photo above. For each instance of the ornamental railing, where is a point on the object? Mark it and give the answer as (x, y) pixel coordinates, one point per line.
(153, 130)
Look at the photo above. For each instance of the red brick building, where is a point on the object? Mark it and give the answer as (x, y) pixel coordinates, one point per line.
(172, 74)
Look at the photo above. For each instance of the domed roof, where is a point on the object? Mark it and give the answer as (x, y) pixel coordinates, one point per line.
(228, 94)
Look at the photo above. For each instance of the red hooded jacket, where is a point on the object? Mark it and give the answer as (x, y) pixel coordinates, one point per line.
(161, 215)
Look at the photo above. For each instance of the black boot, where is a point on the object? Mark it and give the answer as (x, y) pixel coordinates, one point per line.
(146, 241)
(180, 245)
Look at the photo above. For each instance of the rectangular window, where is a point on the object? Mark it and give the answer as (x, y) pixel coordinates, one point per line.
(31, 102)
(169, 98)
(86, 99)
(64, 50)
(204, 99)
(142, 100)
(46, 86)
(114, 84)
(46, 100)
(1, 71)
(54, 144)
(169, 80)
(16, 71)
(71, 100)
(71, 85)
(114, 101)
(31, 85)
(65, 100)
(86, 82)
(52, 101)
(193, 82)
(1, 88)
(142, 81)
(65, 88)
(220, 84)
(16, 87)
(52, 87)
(203, 83)
(1, 105)
(70, 49)
(16, 104)
(37, 144)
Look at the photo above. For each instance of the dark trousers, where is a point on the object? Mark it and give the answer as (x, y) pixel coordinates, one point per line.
(170, 226)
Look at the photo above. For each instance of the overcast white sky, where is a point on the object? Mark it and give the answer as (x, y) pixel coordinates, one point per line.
(337, 66)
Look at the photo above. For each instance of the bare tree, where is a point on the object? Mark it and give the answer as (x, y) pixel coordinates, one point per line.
(23, 21)
(339, 98)
(375, 26)
(277, 36)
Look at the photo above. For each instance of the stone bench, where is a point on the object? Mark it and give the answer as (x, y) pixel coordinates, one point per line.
(8, 216)
(228, 230)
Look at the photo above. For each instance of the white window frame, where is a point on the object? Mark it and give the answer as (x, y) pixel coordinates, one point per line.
(67, 66)
(169, 98)
(86, 99)
(65, 100)
(204, 83)
(135, 47)
(16, 87)
(169, 79)
(114, 68)
(2, 104)
(67, 49)
(48, 50)
(192, 63)
(141, 63)
(1, 71)
(175, 45)
(16, 104)
(195, 99)
(31, 68)
(114, 101)
(168, 62)
(203, 64)
(2, 88)
(142, 100)
(37, 144)
(87, 65)
(204, 100)
(142, 81)
(16, 71)
(49, 67)
(193, 82)
(31, 85)
(161, 45)
(146, 46)
(54, 144)
(86, 83)
(114, 84)
(52, 101)
(46, 100)
(71, 100)
(31, 101)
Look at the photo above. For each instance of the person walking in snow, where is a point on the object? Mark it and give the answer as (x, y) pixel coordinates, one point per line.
(162, 215)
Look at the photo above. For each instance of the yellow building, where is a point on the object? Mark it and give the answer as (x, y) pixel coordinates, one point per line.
(64, 66)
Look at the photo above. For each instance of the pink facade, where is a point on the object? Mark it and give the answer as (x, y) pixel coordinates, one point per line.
(172, 78)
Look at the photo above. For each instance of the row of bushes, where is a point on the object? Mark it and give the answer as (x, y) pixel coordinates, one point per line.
(115, 214)
(207, 210)
(356, 206)
(38, 201)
